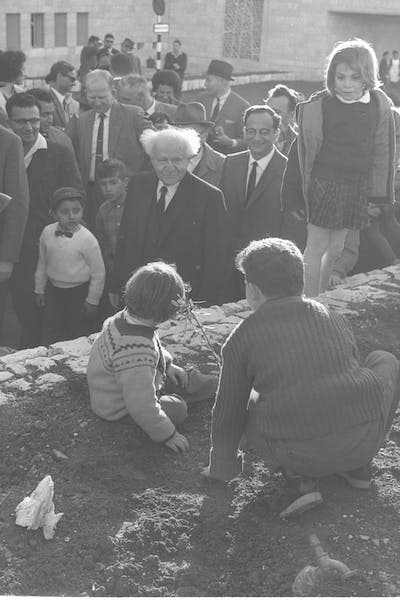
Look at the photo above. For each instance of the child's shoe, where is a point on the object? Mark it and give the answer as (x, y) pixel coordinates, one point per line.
(307, 492)
(360, 479)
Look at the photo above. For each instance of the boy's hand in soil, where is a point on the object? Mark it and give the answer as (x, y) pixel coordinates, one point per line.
(178, 443)
(40, 300)
(177, 375)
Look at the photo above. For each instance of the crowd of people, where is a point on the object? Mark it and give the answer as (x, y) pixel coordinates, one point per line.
(121, 177)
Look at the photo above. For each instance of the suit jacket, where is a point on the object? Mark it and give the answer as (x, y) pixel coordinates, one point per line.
(60, 137)
(262, 217)
(61, 117)
(192, 235)
(210, 166)
(50, 168)
(230, 117)
(13, 181)
(126, 125)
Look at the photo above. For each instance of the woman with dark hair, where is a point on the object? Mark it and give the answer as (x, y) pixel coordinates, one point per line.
(167, 86)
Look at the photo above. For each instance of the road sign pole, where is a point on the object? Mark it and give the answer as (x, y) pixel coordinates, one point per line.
(158, 58)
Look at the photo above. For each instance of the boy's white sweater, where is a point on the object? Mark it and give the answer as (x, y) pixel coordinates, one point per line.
(69, 262)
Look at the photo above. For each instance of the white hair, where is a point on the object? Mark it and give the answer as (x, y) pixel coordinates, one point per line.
(188, 138)
(100, 75)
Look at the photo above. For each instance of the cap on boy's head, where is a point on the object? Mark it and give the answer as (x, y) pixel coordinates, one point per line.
(66, 193)
(153, 291)
(274, 265)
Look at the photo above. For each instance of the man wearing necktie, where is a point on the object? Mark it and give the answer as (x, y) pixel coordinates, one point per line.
(251, 183)
(108, 130)
(224, 108)
(61, 80)
(173, 215)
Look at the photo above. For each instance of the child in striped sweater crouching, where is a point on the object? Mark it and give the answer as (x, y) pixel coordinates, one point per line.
(314, 408)
(128, 366)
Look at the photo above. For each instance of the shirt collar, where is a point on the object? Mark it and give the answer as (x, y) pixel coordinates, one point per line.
(365, 98)
(171, 189)
(261, 162)
(151, 109)
(106, 114)
(38, 145)
(59, 96)
(195, 160)
(223, 98)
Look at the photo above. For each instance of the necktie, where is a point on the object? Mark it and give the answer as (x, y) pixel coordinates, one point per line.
(251, 184)
(161, 200)
(99, 143)
(67, 234)
(215, 111)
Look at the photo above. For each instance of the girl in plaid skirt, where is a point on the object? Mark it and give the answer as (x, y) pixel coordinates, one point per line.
(342, 160)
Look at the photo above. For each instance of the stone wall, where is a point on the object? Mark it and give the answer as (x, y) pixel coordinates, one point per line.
(39, 369)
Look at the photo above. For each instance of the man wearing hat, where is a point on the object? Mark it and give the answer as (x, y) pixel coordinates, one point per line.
(207, 163)
(224, 108)
(61, 80)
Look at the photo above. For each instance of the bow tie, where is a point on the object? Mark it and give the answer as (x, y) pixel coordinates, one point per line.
(67, 234)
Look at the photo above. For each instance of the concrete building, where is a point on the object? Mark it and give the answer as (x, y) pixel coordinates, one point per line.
(255, 35)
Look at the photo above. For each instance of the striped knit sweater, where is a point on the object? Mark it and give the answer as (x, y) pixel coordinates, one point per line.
(126, 364)
(303, 361)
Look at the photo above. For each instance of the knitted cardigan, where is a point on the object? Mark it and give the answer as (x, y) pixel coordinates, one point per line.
(303, 361)
(125, 363)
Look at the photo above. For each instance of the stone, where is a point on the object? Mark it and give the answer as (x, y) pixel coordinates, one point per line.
(19, 385)
(41, 363)
(5, 398)
(5, 376)
(49, 379)
(78, 365)
(23, 355)
(18, 370)
(79, 347)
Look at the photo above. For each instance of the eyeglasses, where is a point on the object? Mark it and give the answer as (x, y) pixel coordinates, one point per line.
(263, 132)
(35, 121)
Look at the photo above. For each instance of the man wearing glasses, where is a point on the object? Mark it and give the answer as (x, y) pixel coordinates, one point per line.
(61, 80)
(251, 183)
(49, 166)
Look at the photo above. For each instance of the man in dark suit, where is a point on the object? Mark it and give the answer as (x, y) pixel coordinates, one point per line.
(133, 89)
(61, 80)
(175, 216)
(47, 109)
(251, 183)
(224, 108)
(13, 182)
(48, 166)
(108, 130)
(284, 100)
(208, 163)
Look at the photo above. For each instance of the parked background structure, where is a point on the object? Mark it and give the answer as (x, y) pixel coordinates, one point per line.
(255, 35)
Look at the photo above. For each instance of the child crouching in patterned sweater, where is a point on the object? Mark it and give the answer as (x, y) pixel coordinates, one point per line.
(127, 365)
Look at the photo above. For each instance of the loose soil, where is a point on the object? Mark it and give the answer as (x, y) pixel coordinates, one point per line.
(139, 520)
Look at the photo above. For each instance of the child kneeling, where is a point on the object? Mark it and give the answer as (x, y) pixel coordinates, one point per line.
(314, 409)
(127, 365)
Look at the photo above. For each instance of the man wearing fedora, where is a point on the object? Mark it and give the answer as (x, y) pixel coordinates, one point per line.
(207, 163)
(61, 80)
(224, 108)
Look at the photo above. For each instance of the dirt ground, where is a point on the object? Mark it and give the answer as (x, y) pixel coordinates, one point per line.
(138, 520)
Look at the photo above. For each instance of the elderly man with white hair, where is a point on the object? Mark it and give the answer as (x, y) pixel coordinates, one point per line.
(108, 130)
(171, 214)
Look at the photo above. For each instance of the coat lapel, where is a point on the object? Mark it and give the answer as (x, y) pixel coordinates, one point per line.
(175, 208)
(59, 109)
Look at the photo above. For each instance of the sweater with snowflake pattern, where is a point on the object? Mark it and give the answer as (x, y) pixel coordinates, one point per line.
(125, 365)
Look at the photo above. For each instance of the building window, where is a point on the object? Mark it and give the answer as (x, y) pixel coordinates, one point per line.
(13, 31)
(60, 29)
(37, 30)
(82, 28)
(243, 27)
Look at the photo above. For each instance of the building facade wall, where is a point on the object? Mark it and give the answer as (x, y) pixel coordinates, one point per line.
(296, 35)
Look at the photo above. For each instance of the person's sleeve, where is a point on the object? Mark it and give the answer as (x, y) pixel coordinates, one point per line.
(72, 131)
(167, 61)
(16, 214)
(349, 256)
(292, 198)
(141, 401)
(229, 414)
(103, 241)
(40, 274)
(119, 270)
(183, 62)
(93, 257)
(68, 167)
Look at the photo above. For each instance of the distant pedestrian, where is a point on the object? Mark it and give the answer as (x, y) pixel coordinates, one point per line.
(127, 50)
(176, 60)
(384, 67)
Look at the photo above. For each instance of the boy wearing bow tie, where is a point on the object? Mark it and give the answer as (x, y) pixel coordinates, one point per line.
(70, 273)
